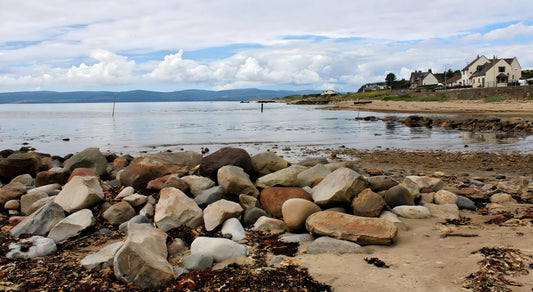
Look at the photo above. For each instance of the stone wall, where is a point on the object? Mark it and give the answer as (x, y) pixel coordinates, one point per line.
(515, 93)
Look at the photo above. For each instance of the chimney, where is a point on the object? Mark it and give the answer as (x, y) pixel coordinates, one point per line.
(429, 70)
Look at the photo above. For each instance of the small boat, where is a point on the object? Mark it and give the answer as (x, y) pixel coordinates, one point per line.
(362, 102)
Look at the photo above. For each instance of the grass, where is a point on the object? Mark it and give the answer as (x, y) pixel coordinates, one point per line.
(406, 97)
(492, 99)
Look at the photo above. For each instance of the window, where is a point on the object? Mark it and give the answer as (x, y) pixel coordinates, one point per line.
(501, 69)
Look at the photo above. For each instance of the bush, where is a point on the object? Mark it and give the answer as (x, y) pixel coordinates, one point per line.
(493, 99)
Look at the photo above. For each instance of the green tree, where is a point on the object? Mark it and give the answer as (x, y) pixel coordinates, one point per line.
(390, 78)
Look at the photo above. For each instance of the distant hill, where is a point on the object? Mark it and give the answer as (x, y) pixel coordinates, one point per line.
(144, 96)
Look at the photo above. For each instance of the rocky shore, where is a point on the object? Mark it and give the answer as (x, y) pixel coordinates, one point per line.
(230, 221)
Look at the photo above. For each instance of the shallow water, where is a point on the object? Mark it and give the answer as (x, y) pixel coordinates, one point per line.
(159, 126)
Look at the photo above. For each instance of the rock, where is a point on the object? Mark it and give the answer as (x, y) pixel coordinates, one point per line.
(198, 184)
(175, 209)
(148, 210)
(361, 230)
(424, 182)
(147, 167)
(501, 198)
(393, 218)
(173, 181)
(157, 183)
(88, 158)
(11, 191)
(287, 177)
(445, 197)
(40, 246)
(71, 226)
(220, 249)
(40, 222)
(14, 220)
(209, 196)
(127, 191)
(103, 258)
(270, 225)
(426, 198)
(50, 190)
(120, 162)
(413, 212)
(24, 179)
(136, 200)
(119, 213)
(210, 164)
(80, 193)
(178, 271)
(312, 161)
(39, 203)
(247, 201)
(343, 164)
(272, 198)
(398, 196)
(175, 246)
(515, 186)
(268, 162)
(82, 171)
(252, 214)
(19, 163)
(368, 204)
(12, 205)
(217, 212)
(308, 176)
(235, 182)
(444, 211)
(233, 227)
(496, 209)
(142, 259)
(139, 219)
(26, 201)
(381, 183)
(339, 187)
(465, 203)
(304, 237)
(327, 244)
(198, 261)
(295, 211)
(51, 177)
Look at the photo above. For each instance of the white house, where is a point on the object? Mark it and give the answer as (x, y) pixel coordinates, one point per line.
(328, 92)
(484, 72)
(419, 78)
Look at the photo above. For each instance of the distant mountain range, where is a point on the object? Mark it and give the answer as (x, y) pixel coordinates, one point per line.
(145, 96)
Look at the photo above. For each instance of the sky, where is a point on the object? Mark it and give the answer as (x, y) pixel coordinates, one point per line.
(168, 45)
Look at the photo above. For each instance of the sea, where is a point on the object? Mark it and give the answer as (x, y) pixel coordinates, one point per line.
(135, 128)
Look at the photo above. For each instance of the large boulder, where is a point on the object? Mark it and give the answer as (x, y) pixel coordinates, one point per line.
(268, 162)
(308, 176)
(80, 193)
(40, 222)
(296, 211)
(71, 226)
(175, 209)
(11, 191)
(220, 249)
(88, 158)
(216, 213)
(198, 183)
(210, 164)
(142, 259)
(272, 198)
(381, 182)
(368, 204)
(339, 187)
(287, 177)
(361, 230)
(235, 182)
(398, 196)
(19, 163)
(147, 167)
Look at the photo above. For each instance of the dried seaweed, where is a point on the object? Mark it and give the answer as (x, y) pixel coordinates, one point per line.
(376, 262)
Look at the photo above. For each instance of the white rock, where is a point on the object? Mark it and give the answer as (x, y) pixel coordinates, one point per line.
(136, 200)
(413, 212)
(220, 249)
(175, 209)
(339, 187)
(270, 225)
(40, 246)
(79, 193)
(233, 227)
(71, 225)
(127, 191)
(445, 197)
(101, 259)
(287, 177)
(217, 212)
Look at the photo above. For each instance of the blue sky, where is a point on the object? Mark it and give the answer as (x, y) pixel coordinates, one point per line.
(170, 45)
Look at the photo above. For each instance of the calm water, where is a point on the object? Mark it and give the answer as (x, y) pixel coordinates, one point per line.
(192, 125)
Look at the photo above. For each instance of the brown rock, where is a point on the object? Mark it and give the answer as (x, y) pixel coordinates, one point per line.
(361, 230)
(14, 220)
(272, 198)
(158, 183)
(120, 162)
(19, 163)
(296, 211)
(82, 172)
(210, 165)
(119, 213)
(11, 191)
(368, 204)
(50, 177)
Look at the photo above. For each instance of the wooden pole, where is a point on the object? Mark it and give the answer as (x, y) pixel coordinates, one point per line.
(114, 102)
(261, 107)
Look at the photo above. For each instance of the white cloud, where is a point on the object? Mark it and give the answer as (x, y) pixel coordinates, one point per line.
(510, 32)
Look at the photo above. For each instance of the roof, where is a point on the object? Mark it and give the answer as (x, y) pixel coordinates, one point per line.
(453, 79)
(484, 68)
(418, 75)
(470, 64)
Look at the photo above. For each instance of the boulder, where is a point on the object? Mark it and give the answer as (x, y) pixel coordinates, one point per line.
(398, 196)
(19, 163)
(24, 179)
(173, 181)
(235, 182)
(38, 247)
(247, 201)
(339, 187)
(381, 183)
(88, 158)
(514, 186)
(147, 167)
(326, 244)
(175, 209)
(198, 183)
(142, 259)
(412, 212)
(445, 197)
(50, 177)
(50, 190)
(361, 230)
(233, 228)
(71, 226)
(295, 212)
(11, 191)
(40, 222)
(368, 204)
(312, 161)
(252, 214)
(12, 205)
(220, 249)
(39, 203)
(287, 177)
(103, 258)
(198, 261)
(80, 193)
(217, 212)
(423, 182)
(308, 176)
(270, 225)
(82, 171)
(209, 196)
(444, 211)
(119, 213)
(272, 198)
(210, 164)
(268, 162)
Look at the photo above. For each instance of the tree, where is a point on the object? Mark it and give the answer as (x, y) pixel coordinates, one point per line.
(390, 78)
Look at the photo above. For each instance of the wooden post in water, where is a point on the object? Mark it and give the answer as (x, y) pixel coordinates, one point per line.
(262, 107)
(114, 101)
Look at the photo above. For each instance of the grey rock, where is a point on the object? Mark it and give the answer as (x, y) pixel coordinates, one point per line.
(178, 271)
(39, 203)
(139, 219)
(26, 201)
(308, 176)
(339, 187)
(198, 183)
(209, 196)
(268, 162)
(71, 226)
(445, 197)
(136, 200)
(220, 249)
(198, 261)
(270, 225)
(297, 238)
(312, 161)
(103, 258)
(398, 196)
(235, 182)
(50, 190)
(381, 183)
(412, 212)
(248, 201)
(119, 213)
(251, 215)
(40, 222)
(40, 246)
(88, 158)
(175, 209)
(24, 179)
(465, 203)
(287, 177)
(326, 244)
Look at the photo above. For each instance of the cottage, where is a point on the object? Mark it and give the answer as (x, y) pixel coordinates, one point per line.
(328, 92)
(454, 81)
(484, 72)
(419, 78)
(374, 86)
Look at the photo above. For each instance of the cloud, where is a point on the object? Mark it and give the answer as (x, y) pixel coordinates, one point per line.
(510, 32)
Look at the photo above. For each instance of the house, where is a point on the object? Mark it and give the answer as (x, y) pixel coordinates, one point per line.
(419, 78)
(374, 86)
(328, 92)
(485, 72)
(454, 81)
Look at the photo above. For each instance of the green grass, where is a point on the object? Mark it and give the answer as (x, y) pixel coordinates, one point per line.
(406, 97)
(492, 99)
